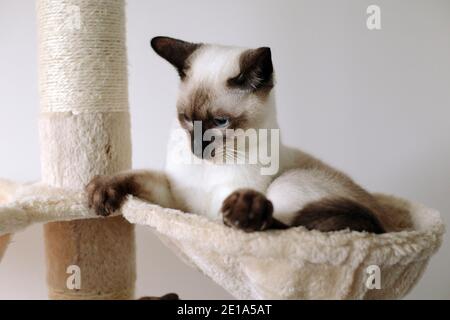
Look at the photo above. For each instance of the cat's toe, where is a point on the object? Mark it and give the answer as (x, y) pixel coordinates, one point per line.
(247, 210)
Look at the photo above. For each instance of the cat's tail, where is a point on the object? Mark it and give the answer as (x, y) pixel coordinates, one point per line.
(333, 214)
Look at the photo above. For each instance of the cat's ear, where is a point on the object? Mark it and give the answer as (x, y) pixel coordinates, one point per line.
(175, 51)
(256, 70)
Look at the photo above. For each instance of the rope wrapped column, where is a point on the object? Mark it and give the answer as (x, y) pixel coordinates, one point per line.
(84, 130)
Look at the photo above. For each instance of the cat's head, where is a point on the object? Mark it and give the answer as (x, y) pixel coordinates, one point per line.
(223, 87)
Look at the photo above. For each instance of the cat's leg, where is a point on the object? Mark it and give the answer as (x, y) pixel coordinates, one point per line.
(106, 194)
(322, 200)
(249, 210)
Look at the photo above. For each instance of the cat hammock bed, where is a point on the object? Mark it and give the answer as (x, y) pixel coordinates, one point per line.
(84, 127)
(288, 264)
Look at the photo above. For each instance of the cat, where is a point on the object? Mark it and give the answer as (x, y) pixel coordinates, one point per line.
(226, 88)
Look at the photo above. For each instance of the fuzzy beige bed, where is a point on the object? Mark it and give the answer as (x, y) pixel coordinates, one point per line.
(289, 264)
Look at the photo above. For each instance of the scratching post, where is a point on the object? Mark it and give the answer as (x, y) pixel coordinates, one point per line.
(85, 130)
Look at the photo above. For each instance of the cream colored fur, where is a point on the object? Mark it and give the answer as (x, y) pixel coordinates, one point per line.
(202, 188)
(7, 189)
(290, 264)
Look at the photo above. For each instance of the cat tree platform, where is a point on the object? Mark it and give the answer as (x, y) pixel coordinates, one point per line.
(288, 264)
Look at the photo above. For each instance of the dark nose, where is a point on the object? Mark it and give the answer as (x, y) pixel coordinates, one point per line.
(198, 146)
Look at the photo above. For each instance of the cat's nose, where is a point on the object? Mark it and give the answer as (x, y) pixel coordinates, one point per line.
(198, 146)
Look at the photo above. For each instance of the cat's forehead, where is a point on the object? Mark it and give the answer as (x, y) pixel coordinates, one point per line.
(212, 63)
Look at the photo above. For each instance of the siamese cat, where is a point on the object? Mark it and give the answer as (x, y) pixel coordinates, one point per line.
(230, 89)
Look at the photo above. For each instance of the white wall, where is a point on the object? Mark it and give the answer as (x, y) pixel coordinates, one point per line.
(373, 103)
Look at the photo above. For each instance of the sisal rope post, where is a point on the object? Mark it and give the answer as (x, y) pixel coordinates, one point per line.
(84, 130)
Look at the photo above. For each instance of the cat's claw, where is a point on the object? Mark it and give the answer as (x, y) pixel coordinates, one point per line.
(247, 210)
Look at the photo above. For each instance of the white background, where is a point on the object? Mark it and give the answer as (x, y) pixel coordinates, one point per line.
(375, 104)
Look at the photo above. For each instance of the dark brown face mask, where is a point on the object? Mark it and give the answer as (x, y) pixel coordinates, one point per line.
(199, 143)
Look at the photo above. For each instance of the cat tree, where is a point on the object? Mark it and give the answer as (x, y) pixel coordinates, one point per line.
(84, 129)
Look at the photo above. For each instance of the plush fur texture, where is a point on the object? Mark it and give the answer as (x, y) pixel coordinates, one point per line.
(7, 189)
(288, 264)
(104, 250)
(301, 264)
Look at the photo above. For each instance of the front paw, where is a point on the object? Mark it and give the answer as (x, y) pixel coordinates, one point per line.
(106, 194)
(247, 210)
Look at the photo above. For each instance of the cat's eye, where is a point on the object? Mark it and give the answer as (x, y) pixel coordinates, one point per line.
(221, 122)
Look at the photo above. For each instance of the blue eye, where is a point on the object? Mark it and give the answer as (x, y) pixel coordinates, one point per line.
(221, 121)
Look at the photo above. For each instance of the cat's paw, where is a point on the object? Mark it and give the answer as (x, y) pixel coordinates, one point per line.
(106, 194)
(247, 210)
(168, 296)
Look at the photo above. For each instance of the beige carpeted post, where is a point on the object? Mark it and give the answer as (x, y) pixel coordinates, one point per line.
(84, 131)
(6, 189)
